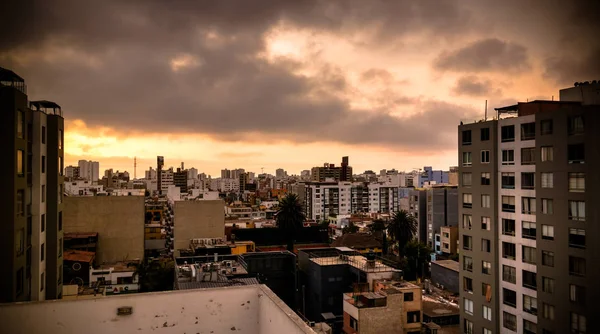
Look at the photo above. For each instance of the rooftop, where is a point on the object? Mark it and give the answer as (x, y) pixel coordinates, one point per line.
(77, 235)
(118, 266)
(356, 240)
(448, 264)
(357, 261)
(78, 256)
(47, 107)
(436, 308)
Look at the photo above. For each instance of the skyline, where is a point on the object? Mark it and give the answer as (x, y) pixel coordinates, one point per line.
(229, 85)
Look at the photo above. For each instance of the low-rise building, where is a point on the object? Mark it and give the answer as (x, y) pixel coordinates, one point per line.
(364, 243)
(116, 278)
(449, 239)
(444, 273)
(197, 219)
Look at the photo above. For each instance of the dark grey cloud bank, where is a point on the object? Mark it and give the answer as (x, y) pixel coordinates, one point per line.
(471, 85)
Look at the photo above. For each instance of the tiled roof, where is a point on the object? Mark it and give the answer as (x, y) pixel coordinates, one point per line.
(78, 256)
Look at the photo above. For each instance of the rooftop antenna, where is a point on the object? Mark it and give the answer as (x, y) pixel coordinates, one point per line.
(134, 168)
(262, 170)
(485, 118)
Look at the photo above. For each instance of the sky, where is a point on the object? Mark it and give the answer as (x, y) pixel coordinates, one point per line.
(292, 83)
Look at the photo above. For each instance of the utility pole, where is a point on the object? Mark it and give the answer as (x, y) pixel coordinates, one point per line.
(134, 168)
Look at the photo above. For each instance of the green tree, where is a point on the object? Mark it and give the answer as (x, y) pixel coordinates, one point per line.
(155, 275)
(377, 225)
(402, 228)
(351, 228)
(417, 257)
(290, 218)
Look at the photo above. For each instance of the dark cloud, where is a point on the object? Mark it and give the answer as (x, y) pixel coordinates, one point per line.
(487, 55)
(471, 85)
(566, 69)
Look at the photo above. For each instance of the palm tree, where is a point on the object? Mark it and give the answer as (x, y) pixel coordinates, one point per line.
(290, 218)
(402, 228)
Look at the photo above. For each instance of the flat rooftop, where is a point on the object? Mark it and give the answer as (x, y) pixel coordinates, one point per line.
(436, 308)
(357, 261)
(448, 264)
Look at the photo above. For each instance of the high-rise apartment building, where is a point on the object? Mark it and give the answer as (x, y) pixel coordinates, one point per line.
(330, 171)
(529, 218)
(89, 170)
(72, 173)
(32, 180)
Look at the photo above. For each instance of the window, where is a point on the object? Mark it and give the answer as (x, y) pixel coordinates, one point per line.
(508, 180)
(20, 241)
(548, 311)
(60, 221)
(509, 274)
(408, 296)
(487, 313)
(529, 254)
(486, 245)
(43, 223)
(466, 137)
(487, 331)
(547, 232)
(468, 284)
(60, 166)
(42, 249)
(43, 193)
(468, 306)
(548, 258)
(467, 159)
(546, 127)
(527, 180)
(42, 281)
(576, 153)
(61, 193)
(467, 201)
(60, 247)
(576, 182)
(20, 124)
(576, 266)
(529, 327)
(467, 222)
(577, 210)
(528, 205)
(43, 164)
(20, 202)
(547, 153)
(485, 157)
(547, 180)
(486, 268)
(575, 125)
(508, 203)
(485, 134)
(527, 131)
(509, 321)
(528, 156)
(485, 223)
(485, 290)
(508, 226)
(466, 179)
(529, 279)
(509, 297)
(508, 157)
(528, 230)
(43, 135)
(485, 179)
(467, 242)
(530, 304)
(547, 284)
(486, 201)
(468, 327)
(577, 294)
(467, 263)
(578, 323)
(547, 206)
(509, 250)
(413, 317)
(354, 323)
(19, 281)
(20, 162)
(60, 139)
(507, 133)
(577, 237)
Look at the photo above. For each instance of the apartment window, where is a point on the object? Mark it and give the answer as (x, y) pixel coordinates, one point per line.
(485, 179)
(467, 242)
(42, 249)
(468, 306)
(413, 317)
(528, 230)
(508, 203)
(20, 163)
(548, 258)
(60, 139)
(528, 205)
(530, 304)
(576, 182)
(20, 124)
(354, 323)
(60, 166)
(548, 284)
(576, 266)
(548, 311)
(467, 201)
(467, 179)
(577, 210)
(486, 245)
(529, 254)
(467, 159)
(487, 313)
(408, 296)
(20, 202)
(528, 156)
(468, 284)
(20, 241)
(487, 331)
(528, 131)
(60, 247)
(486, 290)
(485, 157)
(43, 222)
(546, 127)
(466, 137)
(576, 153)
(508, 180)
(42, 281)
(507, 133)
(508, 157)
(61, 193)
(19, 282)
(577, 237)
(547, 153)
(486, 201)
(577, 294)
(43, 164)
(578, 324)
(485, 134)
(529, 279)
(509, 250)
(60, 221)
(508, 226)
(529, 327)
(485, 223)
(43, 193)
(547, 180)
(509, 297)
(509, 321)
(467, 263)
(467, 222)
(43, 135)
(486, 267)
(547, 206)
(547, 232)
(509, 274)
(575, 125)
(527, 180)
(468, 327)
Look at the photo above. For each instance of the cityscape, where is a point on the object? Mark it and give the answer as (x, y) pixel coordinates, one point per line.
(313, 215)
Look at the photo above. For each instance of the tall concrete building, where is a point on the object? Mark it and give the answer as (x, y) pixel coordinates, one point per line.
(442, 210)
(89, 170)
(528, 219)
(32, 180)
(330, 171)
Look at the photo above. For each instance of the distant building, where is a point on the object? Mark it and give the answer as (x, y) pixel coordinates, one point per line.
(180, 178)
(197, 219)
(71, 173)
(445, 274)
(341, 173)
(449, 239)
(442, 210)
(89, 170)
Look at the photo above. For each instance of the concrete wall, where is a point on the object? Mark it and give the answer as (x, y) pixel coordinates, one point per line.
(382, 319)
(119, 221)
(198, 219)
(244, 309)
(446, 277)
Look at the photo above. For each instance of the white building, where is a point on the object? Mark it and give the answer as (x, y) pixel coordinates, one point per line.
(166, 179)
(192, 173)
(150, 174)
(82, 188)
(71, 172)
(383, 198)
(89, 170)
(116, 278)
